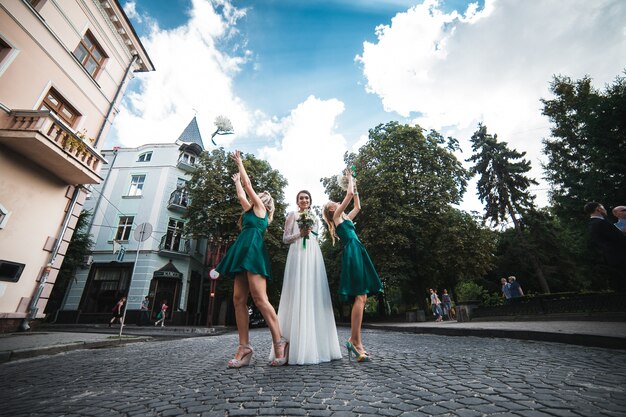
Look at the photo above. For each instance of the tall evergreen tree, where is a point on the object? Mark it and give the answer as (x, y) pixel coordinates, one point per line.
(503, 185)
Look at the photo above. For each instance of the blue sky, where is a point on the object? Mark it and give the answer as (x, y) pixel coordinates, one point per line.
(306, 79)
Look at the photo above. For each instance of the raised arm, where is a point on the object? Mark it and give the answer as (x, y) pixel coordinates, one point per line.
(241, 194)
(346, 200)
(357, 202)
(259, 208)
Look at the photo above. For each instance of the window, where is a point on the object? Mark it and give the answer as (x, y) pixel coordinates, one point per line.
(174, 235)
(181, 183)
(59, 106)
(36, 4)
(8, 53)
(10, 271)
(4, 216)
(105, 286)
(124, 227)
(188, 159)
(145, 157)
(136, 185)
(90, 54)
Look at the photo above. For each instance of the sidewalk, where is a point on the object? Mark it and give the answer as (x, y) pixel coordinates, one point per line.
(51, 339)
(604, 334)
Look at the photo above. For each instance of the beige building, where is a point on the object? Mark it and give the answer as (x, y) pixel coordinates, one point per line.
(64, 66)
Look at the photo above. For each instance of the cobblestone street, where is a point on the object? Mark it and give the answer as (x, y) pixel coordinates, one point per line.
(410, 375)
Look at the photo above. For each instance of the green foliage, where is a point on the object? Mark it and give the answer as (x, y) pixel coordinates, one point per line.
(586, 162)
(215, 209)
(503, 184)
(503, 187)
(587, 151)
(407, 182)
(469, 291)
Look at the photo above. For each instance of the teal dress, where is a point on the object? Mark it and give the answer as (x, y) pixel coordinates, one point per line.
(248, 253)
(358, 275)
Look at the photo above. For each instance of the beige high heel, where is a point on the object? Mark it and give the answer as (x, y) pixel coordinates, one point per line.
(282, 361)
(245, 359)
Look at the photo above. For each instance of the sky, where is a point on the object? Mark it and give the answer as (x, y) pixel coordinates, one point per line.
(302, 81)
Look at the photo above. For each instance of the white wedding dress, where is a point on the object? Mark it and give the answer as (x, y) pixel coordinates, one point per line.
(305, 311)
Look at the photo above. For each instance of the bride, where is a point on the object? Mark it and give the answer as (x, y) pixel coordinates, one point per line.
(305, 311)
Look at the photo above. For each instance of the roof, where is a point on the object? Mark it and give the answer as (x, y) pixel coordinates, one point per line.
(191, 134)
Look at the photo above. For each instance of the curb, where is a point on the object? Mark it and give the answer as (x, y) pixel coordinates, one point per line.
(607, 342)
(12, 355)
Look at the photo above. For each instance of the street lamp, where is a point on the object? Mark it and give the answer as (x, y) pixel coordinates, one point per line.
(224, 127)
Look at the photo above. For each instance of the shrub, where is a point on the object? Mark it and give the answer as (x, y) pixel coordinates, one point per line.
(470, 291)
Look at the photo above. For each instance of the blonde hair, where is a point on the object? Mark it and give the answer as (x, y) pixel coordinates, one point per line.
(268, 202)
(329, 221)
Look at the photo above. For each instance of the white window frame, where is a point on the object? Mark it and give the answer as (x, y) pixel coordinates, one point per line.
(125, 228)
(147, 157)
(137, 181)
(4, 216)
(6, 58)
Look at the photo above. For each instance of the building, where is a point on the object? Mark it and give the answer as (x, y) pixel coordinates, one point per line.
(64, 66)
(142, 186)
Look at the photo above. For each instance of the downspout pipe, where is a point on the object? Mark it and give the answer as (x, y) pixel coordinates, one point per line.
(120, 88)
(32, 308)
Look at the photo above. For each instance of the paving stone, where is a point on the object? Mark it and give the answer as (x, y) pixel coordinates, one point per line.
(410, 375)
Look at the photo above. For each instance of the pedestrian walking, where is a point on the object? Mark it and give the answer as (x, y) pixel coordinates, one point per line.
(144, 312)
(446, 303)
(506, 289)
(118, 311)
(161, 314)
(515, 288)
(435, 305)
(358, 275)
(247, 260)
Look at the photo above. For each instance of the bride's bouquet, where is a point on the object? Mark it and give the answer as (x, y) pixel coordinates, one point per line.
(305, 221)
(342, 179)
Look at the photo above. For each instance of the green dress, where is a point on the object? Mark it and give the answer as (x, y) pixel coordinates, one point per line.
(358, 275)
(248, 253)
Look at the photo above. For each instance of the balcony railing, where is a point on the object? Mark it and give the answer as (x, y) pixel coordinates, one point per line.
(179, 200)
(172, 244)
(40, 137)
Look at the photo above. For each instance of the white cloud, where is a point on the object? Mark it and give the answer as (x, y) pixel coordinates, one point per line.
(130, 8)
(451, 70)
(309, 149)
(192, 75)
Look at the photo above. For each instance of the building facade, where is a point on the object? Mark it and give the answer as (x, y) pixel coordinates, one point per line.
(144, 189)
(64, 66)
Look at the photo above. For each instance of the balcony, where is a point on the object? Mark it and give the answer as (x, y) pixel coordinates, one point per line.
(41, 138)
(179, 200)
(186, 165)
(173, 245)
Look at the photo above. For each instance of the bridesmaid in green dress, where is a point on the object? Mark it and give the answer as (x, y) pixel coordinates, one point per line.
(248, 261)
(358, 275)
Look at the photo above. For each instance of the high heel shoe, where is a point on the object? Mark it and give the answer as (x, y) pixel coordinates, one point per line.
(245, 358)
(282, 361)
(360, 357)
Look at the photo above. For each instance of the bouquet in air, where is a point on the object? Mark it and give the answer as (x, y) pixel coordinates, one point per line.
(306, 220)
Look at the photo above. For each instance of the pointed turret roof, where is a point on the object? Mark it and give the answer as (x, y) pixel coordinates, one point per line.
(191, 134)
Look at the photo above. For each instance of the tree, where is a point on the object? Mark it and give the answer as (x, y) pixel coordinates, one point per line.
(407, 181)
(503, 185)
(78, 249)
(214, 210)
(587, 151)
